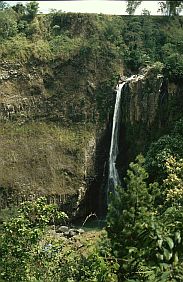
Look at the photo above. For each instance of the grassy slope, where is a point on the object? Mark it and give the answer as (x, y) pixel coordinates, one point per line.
(42, 158)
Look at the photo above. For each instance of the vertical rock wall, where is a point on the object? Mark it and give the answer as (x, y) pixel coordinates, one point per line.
(150, 106)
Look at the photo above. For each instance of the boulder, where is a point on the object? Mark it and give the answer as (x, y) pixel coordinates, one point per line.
(63, 229)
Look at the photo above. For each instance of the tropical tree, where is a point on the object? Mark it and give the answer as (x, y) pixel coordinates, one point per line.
(32, 9)
(8, 24)
(165, 147)
(171, 8)
(130, 211)
(132, 6)
(146, 236)
(19, 8)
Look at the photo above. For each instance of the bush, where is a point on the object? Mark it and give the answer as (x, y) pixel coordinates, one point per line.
(20, 48)
(20, 242)
(146, 238)
(8, 24)
(174, 66)
(64, 47)
(17, 48)
(159, 152)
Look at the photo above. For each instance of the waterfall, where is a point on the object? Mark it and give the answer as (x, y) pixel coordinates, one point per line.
(113, 178)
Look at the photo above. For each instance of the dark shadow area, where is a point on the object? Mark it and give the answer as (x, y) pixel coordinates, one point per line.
(96, 197)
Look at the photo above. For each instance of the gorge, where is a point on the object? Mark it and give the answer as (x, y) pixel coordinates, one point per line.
(30, 119)
(57, 102)
(70, 138)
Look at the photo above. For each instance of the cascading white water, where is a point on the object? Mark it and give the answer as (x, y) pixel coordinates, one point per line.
(113, 178)
(113, 173)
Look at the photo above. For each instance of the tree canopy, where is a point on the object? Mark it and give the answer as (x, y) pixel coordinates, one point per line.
(169, 8)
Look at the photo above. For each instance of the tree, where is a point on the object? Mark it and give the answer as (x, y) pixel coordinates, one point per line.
(3, 5)
(171, 8)
(32, 9)
(132, 6)
(164, 148)
(173, 184)
(174, 66)
(129, 213)
(133, 37)
(19, 9)
(8, 24)
(146, 238)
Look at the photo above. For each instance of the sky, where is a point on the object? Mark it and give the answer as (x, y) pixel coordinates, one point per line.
(93, 6)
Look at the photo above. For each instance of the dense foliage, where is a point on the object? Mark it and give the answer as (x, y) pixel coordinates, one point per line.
(166, 147)
(138, 41)
(145, 220)
(29, 253)
(20, 244)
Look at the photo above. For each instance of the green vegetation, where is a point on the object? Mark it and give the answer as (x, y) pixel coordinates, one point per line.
(42, 158)
(142, 242)
(138, 41)
(71, 62)
(63, 36)
(20, 245)
(166, 147)
(34, 254)
(145, 220)
(155, 39)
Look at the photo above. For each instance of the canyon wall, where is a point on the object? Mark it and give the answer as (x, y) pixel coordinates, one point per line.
(150, 107)
(52, 121)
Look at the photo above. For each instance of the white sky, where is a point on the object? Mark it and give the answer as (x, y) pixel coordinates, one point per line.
(93, 6)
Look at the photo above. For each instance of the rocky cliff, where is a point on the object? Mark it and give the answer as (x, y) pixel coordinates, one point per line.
(55, 129)
(56, 97)
(150, 107)
(52, 119)
(57, 81)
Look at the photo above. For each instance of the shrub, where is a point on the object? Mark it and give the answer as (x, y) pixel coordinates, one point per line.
(174, 66)
(20, 241)
(146, 238)
(8, 24)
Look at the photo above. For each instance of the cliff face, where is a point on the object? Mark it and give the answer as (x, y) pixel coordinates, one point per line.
(55, 102)
(39, 92)
(54, 128)
(150, 106)
(51, 122)
(140, 99)
(56, 107)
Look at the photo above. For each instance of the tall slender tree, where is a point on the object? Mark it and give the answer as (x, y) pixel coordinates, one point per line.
(32, 8)
(171, 8)
(132, 6)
